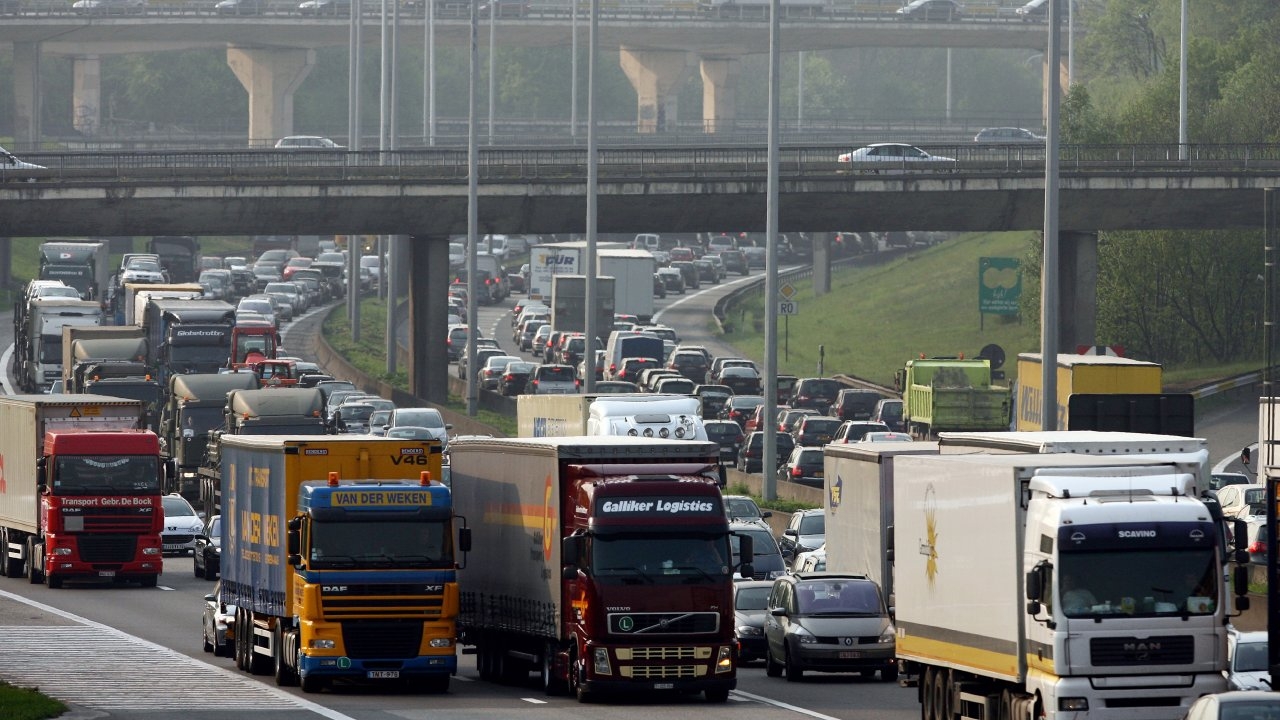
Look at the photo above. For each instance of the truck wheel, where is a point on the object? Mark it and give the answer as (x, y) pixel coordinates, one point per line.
(311, 684)
(150, 581)
(771, 667)
(551, 685)
(434, 684)
(241, 638)
(285, 676)
(717, 696)
(33, 569)
(795, 673)
(576, 671)
(54, 581)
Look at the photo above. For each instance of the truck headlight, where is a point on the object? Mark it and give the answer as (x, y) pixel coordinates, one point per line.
(151, 551)
(321, 644)
(441, 642)
(61, 551)
(600, 661)
(1073, 704)
(724, 663)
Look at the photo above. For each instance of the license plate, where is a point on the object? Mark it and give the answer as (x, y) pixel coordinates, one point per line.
(850, 654)
(106, 573)
(664, 686)
(383, 674)
(817, 473)
(174, 547)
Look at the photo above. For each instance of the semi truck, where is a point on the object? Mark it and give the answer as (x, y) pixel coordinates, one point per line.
(264, 411)
(940, 394)
(603, 564)
(641, 415)
(188, 336)
(179, 256)
(1103, 392)
(195, 405)
(40, 359)
(338, 555)
(569, 304)
(80, 494)
(130, 301)
(116, 367)
(858, 506)
(1059, 585)
(82, 265)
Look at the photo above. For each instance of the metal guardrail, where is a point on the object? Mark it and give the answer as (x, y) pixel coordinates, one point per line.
(569, 163)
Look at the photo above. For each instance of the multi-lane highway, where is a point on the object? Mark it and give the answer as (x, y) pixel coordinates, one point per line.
(130, 652)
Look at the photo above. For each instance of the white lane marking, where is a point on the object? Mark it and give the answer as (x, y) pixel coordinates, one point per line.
(535, 701)
(4, 369)
(104, 681)
(784, 706)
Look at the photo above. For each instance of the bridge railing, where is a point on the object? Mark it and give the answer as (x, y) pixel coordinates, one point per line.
(640, 163)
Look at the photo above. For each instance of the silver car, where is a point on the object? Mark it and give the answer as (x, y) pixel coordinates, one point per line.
(553, 380)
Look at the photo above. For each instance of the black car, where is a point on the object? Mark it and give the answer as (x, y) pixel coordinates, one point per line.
(817, 393)
(729, 436)
(735, 261)
(742, 380)
(750, 605)
(515, 377)
(659, 287)
(855, 404)
(816, 430)
(690, 273)
(751, 456)
(208, 550)
(740, 407)
(712, 400)
(803, 466)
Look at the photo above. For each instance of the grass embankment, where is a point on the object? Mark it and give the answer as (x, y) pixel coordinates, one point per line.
(369, 355)
(27, 704)
(876, 318)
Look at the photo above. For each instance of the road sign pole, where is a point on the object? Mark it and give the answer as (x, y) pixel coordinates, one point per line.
(786, 338)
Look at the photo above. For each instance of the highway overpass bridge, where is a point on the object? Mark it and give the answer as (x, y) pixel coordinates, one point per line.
(423, 194)
(659, 44)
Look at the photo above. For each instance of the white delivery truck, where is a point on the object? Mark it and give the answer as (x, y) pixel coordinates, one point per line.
(550, 259)
(858, 505)
(632, 272)
(1058, 585)
(637, 414)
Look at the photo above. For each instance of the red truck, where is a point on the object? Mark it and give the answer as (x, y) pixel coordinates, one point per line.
(253, 341)
(80, 489)
(602, 563)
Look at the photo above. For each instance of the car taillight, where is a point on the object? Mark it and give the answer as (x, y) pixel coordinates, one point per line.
(795, 472)
(1257, 547)
(577, 382)
(508, 377)
(613, 367)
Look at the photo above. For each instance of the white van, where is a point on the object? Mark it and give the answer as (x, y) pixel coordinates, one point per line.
(626, 344)
(676, 417)
(646, 241)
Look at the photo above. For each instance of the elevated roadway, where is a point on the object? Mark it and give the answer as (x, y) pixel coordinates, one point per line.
(659, 44)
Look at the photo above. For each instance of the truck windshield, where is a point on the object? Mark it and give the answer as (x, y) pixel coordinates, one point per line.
(199, 354)
(200, 420)
(51, 349)
(121, 475)
(652, 558)
(1149, 583)
(380, 544)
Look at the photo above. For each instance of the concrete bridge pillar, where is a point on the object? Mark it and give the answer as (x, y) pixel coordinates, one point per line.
(656, 76)
(26, 94)
(428, 266)
(719, 89)
(86, 94)
(271, 75)
(1077, 289)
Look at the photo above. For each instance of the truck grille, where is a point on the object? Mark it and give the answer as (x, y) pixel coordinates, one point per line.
(382, 638)
(107, 548)
(399, 600)
(663, 653)
(694, 623)
(1128, 651)
(661, 671)
(108, 520)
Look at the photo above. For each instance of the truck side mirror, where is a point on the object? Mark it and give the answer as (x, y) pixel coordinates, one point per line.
(1240, 581)
(294, 542)
(1240, 528)
(464, 539)
(1035, 583)
(888, 543)
(571, 551)
(1245, 457)
(746, 554)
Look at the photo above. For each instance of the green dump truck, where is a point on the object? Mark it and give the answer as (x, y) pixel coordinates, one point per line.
(941, 394)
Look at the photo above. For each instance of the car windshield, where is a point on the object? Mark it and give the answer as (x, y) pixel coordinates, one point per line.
(742, 508)
(837, 597)
(752, 598)
(424, 417)
(177, 507)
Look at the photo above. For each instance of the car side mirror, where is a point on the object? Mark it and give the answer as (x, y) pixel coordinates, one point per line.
(778, 612)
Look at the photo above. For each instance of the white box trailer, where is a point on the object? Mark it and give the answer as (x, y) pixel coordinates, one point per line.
(858, 504)
(986, 546)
